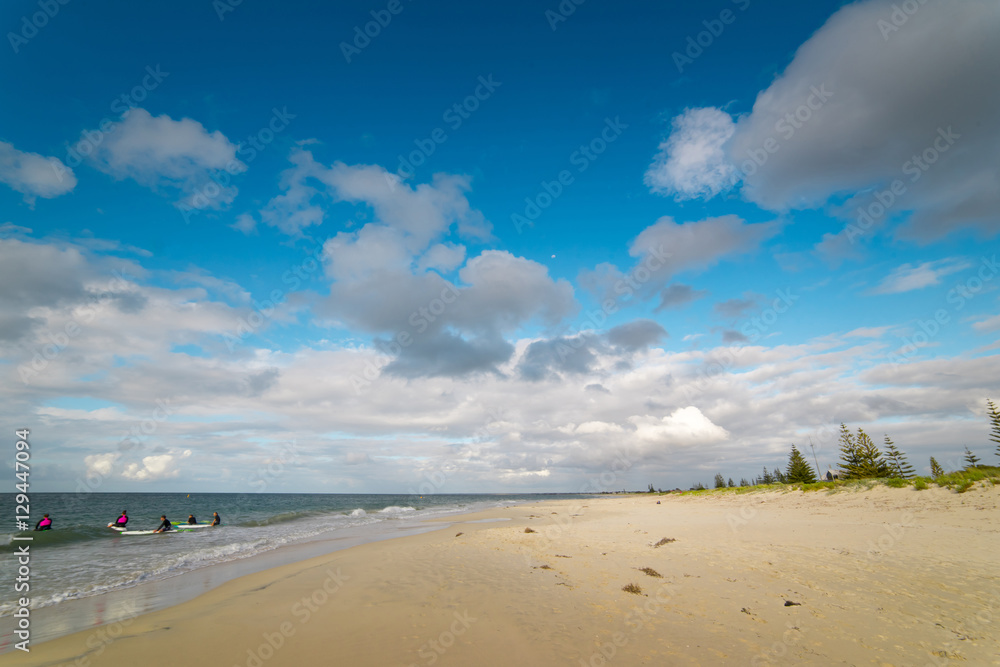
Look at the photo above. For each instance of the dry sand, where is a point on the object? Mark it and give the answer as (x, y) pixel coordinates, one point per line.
(881, 577)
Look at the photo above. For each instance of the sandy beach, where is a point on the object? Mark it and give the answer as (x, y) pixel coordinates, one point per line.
(868, 577)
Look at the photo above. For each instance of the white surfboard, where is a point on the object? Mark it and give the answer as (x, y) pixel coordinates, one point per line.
(191, 526)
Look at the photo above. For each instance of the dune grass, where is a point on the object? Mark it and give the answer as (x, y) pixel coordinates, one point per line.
(959, 481)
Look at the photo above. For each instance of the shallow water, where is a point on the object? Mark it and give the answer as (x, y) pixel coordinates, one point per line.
(84, 574)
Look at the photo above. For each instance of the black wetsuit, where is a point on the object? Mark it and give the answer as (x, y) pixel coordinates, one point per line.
(165, 525)
(120, 523)
(48, 526)
(192, 520)
(217, 521)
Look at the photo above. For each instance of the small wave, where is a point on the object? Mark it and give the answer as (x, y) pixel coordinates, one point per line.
(396, 509)
(284, 517)
(52, 538)
(358, 512)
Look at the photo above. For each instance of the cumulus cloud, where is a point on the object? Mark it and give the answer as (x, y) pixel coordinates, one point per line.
(668, 247)
(34, 175)
(460, 329)
(911, 104)
(37, 277)
(692, 161)
(418, 213)
(387, 278)
(679, 294)
(589, 352)
(736, 308)
(100, 465)
(626, 402)
(636, 335)
(169, 155)
(444, 257)
(683, 427)
(550, 359)
(155, 467)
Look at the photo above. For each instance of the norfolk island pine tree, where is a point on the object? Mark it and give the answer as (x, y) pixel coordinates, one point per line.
(898, 465)
(994, 424)
(799, 471)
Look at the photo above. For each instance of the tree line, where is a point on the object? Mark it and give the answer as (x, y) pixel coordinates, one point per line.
(860, 458)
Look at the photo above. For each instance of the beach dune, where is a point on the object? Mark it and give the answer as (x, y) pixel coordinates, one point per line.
(879, 576)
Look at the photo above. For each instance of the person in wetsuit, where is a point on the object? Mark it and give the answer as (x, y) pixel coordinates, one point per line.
(164, 525)
(122, 520)
(192, 520)
(216, 520)
(44, 524)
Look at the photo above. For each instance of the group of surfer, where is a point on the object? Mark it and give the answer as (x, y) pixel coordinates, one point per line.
(165, 524)
(120, 522)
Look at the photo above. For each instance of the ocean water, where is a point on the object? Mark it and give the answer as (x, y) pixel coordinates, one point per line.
(81, 557)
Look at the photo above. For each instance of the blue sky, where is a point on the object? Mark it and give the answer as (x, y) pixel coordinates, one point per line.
(500, 248)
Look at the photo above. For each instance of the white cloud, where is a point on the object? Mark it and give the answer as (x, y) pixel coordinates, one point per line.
(867, 332)
(443, 257)
(245, 223)
(420, 213)
(682, 427)
(172, 155)
(847, 122)
(100, 465)
(34, 175)
(692, 161)
(668, 247)
(451, 327)
(674, 416)
(907, 277)
(156, 467)
(989, 324)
